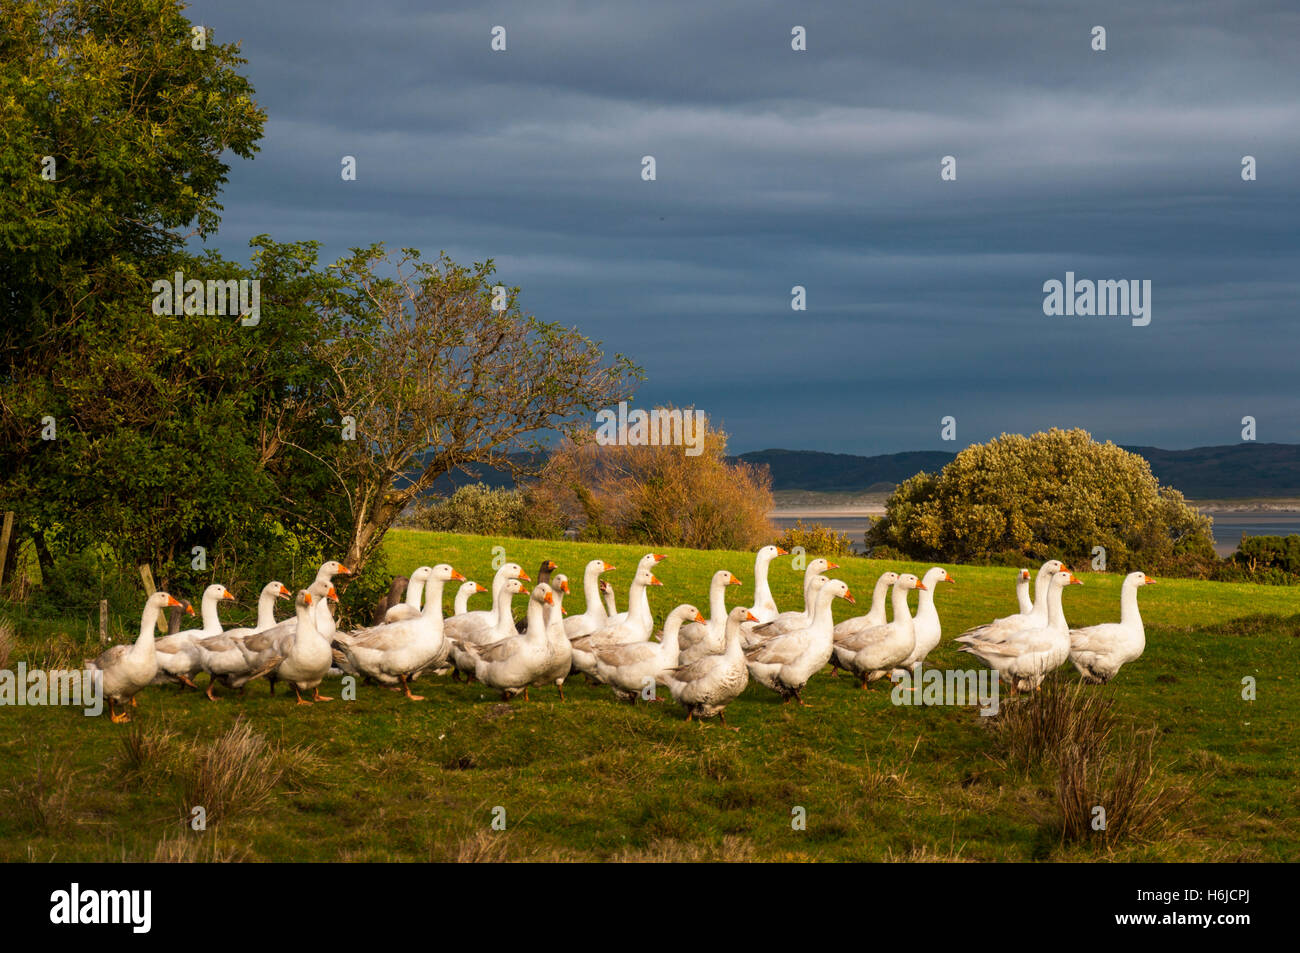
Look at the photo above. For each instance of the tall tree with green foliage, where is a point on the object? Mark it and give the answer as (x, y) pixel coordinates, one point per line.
(1056, 494)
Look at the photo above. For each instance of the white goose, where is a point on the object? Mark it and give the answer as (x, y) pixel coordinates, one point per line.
(1007, 626)
(708, 685)
(179, 658)
(1098, 651)
(874, 617)
(795, 619)
(925, 623)
(595, 615)
(629, 669)
(467, 589)
(648, 563)
(410, 607)
(611, 604)
(393, 652)
(764, 607)
(786, 662)
(637, 627)
(126, 669)
(1025, 657)
(708, 638)
(1022, 592)
(559, 659)
(463, 659)
(511, 664)
(483, 624)
(223, 657)
(262, 648)
(871, 653)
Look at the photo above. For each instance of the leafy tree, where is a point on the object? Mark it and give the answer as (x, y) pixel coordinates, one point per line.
(1053, 494)
(114, 133)
(658, 494)
(434, 371)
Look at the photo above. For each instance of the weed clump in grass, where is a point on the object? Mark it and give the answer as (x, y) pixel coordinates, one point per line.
(238, 772)
(43, 801)
(1106, 786)
(7, 643)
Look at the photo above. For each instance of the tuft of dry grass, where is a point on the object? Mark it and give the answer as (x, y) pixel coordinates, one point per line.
(238, 771)
(730, 850)
(146, 750)
(7, 643)
(43, 801)
(196, 849)
(1112, 795)
(1033, 729)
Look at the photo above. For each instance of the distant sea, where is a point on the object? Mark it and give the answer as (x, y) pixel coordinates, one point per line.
(1228, 525)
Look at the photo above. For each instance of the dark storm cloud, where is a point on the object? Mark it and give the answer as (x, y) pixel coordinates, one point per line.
(821, 169)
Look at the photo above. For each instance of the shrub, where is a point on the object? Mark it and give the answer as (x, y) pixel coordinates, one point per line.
(1272, 560)
(815, 538)
(480, 510)
(1053, 494)
(658, 494)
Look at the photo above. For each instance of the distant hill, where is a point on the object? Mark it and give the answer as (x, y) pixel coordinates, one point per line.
(1234, 471)
(1231, 472)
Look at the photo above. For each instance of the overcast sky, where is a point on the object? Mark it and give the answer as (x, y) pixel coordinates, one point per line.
(778, 168)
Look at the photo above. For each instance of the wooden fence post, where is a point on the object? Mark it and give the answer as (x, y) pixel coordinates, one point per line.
(5, 533)
(146, 576)
(103, 620)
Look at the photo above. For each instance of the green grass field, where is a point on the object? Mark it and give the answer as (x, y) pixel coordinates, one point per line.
(382, 778)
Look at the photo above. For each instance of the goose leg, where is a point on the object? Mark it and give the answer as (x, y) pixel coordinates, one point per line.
(561, 688)
(407, 689)
(301, 700)
(114, 716)
(318, 697)
(211, 697)
(722, 715)
(186, 680)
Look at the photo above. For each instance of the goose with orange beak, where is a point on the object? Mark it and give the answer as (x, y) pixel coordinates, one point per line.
(708, 685)
(709, 638)
(764, 608)
(180, 659)
(511, 664)
(595, 614)
(126, 669)
(638, 627)
(394, 652)
(1099, 651)
(633, 668)
(304, 654)
(1026, 657)
(786, 663)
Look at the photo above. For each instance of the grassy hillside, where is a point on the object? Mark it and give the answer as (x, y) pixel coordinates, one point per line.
(382, 778)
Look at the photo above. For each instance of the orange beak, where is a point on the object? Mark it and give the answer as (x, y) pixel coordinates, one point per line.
(832, 565)
(699, 617)
(564, 586)
(1075, 580)
(550, 599)
(659, 558)
(332, 595)
(344, 570)
(782, 552)
(608, 567)
(1147, 580)
(749, 616)
(921, 585)
(655, 582)
(563, 611)
(948, 578)
(225, 594)
(284, 591)
(849, 597)
(306, 598)
(479, 588)
(457, 576)
(172, 600)
(524, 576)
(734, 581)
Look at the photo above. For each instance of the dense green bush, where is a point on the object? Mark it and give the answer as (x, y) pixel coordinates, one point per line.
(1054, 494)
(483, 511)
(1272, 560)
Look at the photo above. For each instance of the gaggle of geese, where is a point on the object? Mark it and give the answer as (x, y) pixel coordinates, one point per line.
(705, 663)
